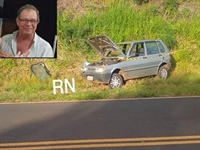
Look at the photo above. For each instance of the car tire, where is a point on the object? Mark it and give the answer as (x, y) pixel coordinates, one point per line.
(116, 81)
(163, 72)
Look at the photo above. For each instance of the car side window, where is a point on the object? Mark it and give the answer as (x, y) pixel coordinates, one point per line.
(133, 50)
(137, 50)
(162, 49)
(141, 49)
(152, 48)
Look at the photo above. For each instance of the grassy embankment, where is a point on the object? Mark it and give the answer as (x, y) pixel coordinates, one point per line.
(178, 27)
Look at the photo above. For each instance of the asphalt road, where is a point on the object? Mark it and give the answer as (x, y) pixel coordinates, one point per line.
(142, 124)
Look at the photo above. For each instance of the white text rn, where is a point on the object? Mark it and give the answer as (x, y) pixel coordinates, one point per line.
(58, 84)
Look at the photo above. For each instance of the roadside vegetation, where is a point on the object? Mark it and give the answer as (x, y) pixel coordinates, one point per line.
(176, 22)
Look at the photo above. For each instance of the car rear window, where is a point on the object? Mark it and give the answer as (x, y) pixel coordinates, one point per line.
(162, 49)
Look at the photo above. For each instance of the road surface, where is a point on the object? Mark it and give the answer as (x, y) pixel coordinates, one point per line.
(146, 124)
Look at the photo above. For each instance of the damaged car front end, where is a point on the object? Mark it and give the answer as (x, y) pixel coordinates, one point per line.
(110, 54)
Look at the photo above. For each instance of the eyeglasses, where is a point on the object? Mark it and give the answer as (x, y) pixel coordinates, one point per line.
(26, 21)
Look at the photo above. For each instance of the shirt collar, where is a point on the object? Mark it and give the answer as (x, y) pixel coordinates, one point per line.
(16, 32)
(34, 40)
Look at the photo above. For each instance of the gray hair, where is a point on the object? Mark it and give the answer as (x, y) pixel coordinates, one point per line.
(28, 6)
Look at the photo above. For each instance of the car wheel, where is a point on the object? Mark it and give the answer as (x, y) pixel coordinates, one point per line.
(163, 72)
(116, 81)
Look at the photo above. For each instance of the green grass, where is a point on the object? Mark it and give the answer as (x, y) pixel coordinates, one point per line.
(121, 22)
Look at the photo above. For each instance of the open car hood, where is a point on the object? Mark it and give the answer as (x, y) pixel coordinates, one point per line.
(103, 45)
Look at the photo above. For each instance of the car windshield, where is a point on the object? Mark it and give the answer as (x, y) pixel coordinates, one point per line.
(113, 53)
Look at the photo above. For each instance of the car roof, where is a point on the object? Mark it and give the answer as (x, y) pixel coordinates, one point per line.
(137, 41)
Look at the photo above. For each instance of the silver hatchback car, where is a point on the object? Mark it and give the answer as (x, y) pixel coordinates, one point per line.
(127, 60)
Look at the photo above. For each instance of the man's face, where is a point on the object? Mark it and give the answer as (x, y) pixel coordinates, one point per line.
(27, 21)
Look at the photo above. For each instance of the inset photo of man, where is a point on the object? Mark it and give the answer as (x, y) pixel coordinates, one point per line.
(28, 28)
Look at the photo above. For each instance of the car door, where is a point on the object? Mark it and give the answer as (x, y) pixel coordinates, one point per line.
(153, 57)
(136, 63)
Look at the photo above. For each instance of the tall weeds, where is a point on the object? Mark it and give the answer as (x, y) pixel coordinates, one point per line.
(121, 22)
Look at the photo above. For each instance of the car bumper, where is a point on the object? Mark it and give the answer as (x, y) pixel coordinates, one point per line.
(102, 78)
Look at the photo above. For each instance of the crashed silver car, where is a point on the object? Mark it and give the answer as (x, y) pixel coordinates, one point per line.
(127, 60)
